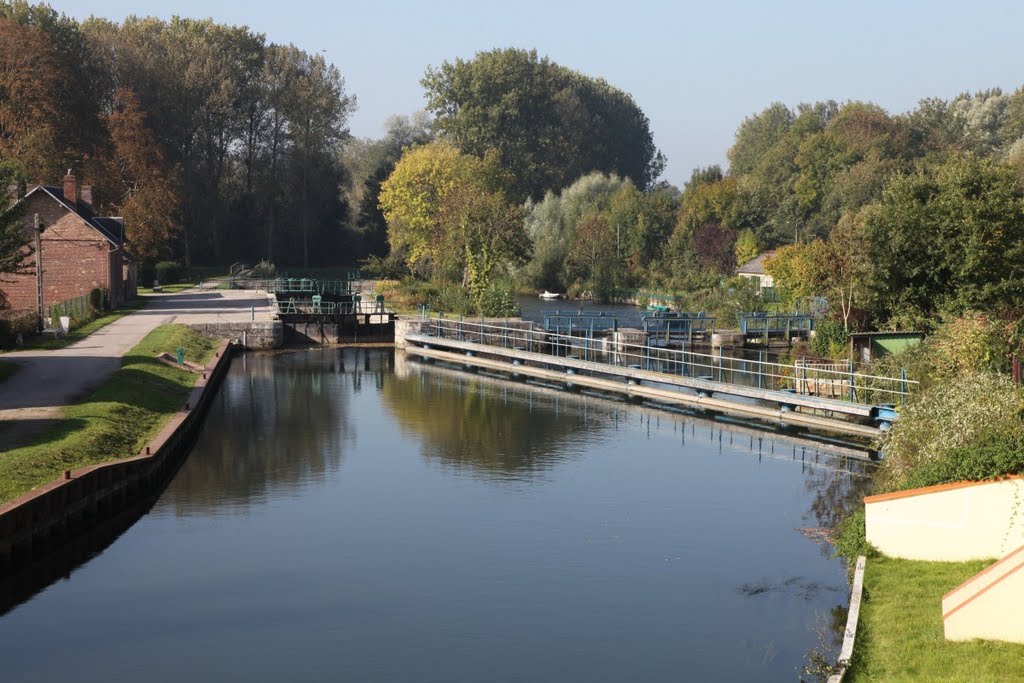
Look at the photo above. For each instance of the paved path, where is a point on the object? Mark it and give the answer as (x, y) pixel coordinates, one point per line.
(49, 380)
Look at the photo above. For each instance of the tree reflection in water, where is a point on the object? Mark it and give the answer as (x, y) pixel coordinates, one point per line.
(497, 428)
(284, 425)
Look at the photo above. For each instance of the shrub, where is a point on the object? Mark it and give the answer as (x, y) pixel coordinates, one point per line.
(496, 301)
(98, 300)
(167, 272)
(829, 340)
(970, 343)
(946, 420)
(992, 457)
(13, 323)
(850, 538)
(264, 269)
(384, 267)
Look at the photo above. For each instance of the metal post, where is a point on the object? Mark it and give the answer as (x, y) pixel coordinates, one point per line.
(720, 364)
(853, 396)
(903, 384)
(760, 369)
(38, 225)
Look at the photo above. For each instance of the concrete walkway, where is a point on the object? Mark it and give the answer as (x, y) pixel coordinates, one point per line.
(49, 380)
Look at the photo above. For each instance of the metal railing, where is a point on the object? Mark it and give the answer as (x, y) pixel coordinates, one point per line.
(314, 306)
(838, 383)
(298, 285)
(754, 323)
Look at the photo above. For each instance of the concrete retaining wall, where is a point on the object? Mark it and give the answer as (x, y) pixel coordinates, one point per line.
(950, 523)
(258, 334)
(84, 497)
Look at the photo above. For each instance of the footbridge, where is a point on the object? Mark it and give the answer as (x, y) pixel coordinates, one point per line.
(817, 398)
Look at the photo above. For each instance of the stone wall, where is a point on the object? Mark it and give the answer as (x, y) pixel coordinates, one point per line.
(257, 334)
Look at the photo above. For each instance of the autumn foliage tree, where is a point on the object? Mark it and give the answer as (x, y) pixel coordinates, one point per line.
(30, 105)
(447, 216)
(137, 181)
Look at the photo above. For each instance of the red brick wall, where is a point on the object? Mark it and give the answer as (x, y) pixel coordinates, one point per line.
(76, 259)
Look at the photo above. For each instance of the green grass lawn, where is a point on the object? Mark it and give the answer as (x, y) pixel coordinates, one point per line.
(899, 637)
(7, 369)
(117, 420)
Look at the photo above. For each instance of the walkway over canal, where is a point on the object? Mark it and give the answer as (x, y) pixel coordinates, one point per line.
(822, 397)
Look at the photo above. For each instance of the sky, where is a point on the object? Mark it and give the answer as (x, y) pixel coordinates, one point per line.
(696, 69)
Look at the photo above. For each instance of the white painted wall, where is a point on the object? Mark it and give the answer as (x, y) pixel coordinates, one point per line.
(952, 522)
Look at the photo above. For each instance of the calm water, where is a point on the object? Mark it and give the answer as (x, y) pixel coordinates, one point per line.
(347, 515)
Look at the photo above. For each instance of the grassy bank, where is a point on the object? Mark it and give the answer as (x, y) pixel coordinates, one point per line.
(117, 420)
(899, 637)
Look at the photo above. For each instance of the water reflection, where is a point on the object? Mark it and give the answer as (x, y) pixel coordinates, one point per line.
(286, 425)
(497, 428)
(346, 515)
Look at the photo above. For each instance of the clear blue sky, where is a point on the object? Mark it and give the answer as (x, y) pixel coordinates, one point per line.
(696, 69)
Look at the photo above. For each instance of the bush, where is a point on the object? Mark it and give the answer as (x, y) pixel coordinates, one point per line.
(829, 340)
(384, 267)
(947, 420)
(850, 538)
(98, 300)
(992, 457)
(264, 270)
(167, 272)
(13, 323)
(496, 301)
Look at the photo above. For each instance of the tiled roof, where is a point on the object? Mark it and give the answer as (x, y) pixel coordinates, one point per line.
(755, 266)
(111, 228)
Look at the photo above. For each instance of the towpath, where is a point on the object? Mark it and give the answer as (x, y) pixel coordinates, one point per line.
(49, 380)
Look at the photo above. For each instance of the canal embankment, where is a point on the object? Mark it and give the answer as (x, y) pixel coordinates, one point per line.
(118, 445)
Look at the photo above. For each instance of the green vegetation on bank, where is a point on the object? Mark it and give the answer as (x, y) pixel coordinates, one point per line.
(900, 634)
(116, 420)
(964, 423)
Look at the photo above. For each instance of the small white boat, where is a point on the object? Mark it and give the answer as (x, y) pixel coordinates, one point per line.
(550, 295)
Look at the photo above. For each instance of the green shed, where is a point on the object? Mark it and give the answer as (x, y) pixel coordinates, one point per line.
(866, 346)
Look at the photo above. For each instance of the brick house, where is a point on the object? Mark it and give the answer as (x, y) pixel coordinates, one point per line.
(80, 251)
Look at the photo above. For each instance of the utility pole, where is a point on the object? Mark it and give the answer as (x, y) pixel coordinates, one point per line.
(38, 225)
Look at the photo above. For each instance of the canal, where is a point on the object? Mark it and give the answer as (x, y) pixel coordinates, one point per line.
(351, 515)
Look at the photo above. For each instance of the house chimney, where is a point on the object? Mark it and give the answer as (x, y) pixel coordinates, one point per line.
(87, 196)
(70, 188)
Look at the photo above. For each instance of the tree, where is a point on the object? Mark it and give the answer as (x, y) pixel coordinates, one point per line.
(446, 214)
(549, 125)
(14, 239)
(136, 178)
(747, 247)
(369, 163)
(551, 225)
(591, 260)
(30, 110)
(317, 112)
(948, 239)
